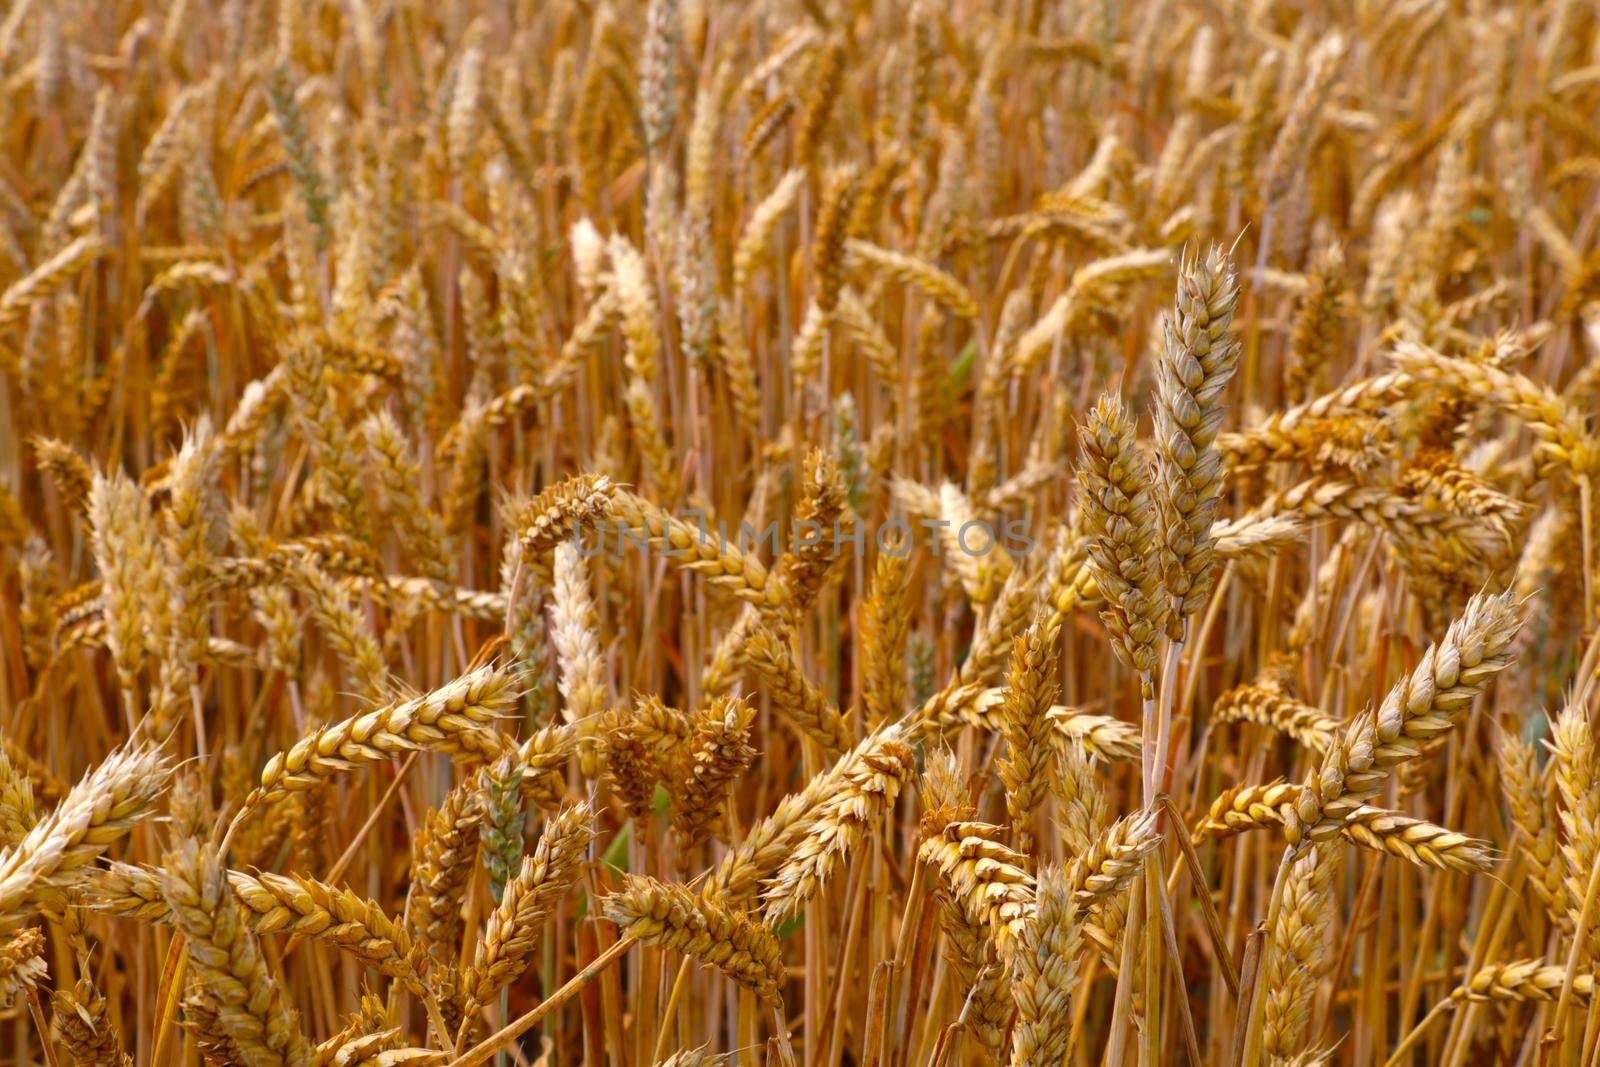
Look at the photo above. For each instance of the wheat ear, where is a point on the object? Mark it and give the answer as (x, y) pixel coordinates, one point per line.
(707, 765)
(1564, 439)
(294, 904)
(1044, 972)
(127, 552)
(1196, 361)
(676, 918)
(793, 694)
(1522, 981)
(452, 718)
(71, 475)
(1121, 520)
(772, 842)
(937, 285)
(1277, 711)
(1031, 690)
(805, 566)
(84, 1026)
(252, 1010)
(727, 568)
(988, 878)
(22, 965)
(1419, 707)
(563, 510)
(1299, 941)
(1533, 812)
(1240, 809)
(574, 631)
(857, 800)
(1575, 768)
(763, 222)
(17, 807)
(884, 631)
(513, 931)
(52, 858)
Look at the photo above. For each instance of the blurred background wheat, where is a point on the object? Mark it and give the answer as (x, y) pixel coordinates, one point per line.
(1168, 633)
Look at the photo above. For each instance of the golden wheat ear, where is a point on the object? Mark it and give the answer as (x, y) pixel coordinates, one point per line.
(252, 1010)
(1533, 812)
(674, 917)
(1121, 519)
(84, 1026)
(692, 1057)
(1521, 980)
(793, 694)
(1196, 361)
(1420, 706)
(1031, 690)
(1044, 969)
(57, 853)
(1300, 935)
(456, 717)
(709, 764)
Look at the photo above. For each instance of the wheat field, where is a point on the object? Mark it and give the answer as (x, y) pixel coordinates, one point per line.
(831, 533)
